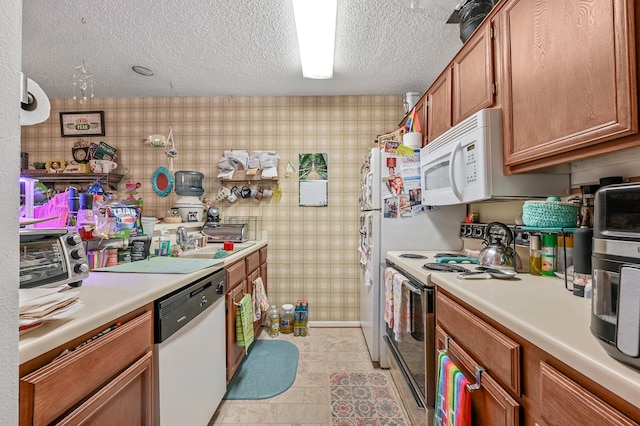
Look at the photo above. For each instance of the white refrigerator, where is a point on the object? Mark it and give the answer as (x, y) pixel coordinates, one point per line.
(392, 219)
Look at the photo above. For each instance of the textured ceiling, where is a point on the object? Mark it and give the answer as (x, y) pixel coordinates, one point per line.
(231, 47)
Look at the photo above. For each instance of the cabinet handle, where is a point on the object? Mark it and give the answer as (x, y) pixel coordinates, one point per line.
(479, 369)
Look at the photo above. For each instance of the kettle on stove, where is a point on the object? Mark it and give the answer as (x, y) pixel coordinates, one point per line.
(496, 253)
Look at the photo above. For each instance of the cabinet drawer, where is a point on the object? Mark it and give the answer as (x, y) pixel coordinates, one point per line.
(263, 254)
(50, 391)
(490, 404)
(236, 273)
(128, 399)
(253, 261)
(496, 352)
(564, 402)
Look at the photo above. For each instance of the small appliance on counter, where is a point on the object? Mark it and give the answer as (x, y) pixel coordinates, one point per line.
(188, 185)
(217, 232)
(233, 232)
(51, 258)
(615, 316)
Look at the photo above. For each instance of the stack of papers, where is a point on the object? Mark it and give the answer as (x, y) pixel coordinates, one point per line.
(41, 305)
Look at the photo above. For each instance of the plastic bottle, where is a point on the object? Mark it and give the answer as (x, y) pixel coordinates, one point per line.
(164, 245)
(565, 252)
(535, 256)
(549, 243)
(286, 319)
(304, 318)
(274, 321)
(296, 318)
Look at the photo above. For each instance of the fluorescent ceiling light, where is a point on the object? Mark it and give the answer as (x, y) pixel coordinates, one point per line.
(316, 27)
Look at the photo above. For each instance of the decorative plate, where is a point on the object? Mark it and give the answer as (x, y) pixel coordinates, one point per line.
(162, 181)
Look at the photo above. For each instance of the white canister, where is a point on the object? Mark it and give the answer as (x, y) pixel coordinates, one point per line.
(412, 140)
(410, 100)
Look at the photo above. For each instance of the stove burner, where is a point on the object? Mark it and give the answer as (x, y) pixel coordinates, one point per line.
(413, 256)
(444, 267)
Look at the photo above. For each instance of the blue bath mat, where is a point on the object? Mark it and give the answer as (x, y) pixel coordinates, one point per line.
(268, 370)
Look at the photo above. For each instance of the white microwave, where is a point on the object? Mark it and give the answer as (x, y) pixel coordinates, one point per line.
(465, 165)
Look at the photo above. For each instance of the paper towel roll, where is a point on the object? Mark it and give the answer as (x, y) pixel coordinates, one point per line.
(412, 139)
(37, 108)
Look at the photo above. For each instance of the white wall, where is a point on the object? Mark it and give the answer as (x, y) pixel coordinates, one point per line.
(10, 46)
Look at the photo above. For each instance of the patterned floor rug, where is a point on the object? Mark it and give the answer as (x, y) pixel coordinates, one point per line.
(364, 399)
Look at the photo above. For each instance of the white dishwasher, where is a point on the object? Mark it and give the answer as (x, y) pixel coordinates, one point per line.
(190, 364)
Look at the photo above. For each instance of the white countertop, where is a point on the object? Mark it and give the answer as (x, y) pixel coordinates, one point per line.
(108, 295)
(540, 310)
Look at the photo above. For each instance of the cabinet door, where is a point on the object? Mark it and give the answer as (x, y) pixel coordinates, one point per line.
(439, 106)
(235, 353)
(490, 404)
(473, 76)
(569, 79)
(564, 402)
(50, 391)
(126, 400)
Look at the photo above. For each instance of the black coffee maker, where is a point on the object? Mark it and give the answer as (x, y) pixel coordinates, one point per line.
(213, 217)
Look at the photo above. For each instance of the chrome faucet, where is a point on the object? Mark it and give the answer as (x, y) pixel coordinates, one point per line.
(181, 235)
(184, 240)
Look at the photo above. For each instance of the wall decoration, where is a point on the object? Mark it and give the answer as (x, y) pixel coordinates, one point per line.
(55, 166)
(82, 123)
(314, 180)
(162, 181)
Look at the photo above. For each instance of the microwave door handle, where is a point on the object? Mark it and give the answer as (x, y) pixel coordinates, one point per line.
(452, 179)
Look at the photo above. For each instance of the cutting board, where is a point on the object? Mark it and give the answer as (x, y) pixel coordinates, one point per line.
(163, 265)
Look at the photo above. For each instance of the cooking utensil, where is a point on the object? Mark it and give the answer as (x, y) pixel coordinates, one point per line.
(495, 253)
(444, 267)
(457, 259)
(501, 274)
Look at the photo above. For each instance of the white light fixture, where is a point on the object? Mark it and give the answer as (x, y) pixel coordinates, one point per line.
(316, 27)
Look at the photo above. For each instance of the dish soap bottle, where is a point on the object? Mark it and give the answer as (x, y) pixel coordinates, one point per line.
(164, 245)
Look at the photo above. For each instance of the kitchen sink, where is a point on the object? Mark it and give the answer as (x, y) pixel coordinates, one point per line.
(212, 248)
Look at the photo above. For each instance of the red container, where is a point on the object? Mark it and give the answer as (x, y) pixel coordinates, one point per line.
(228, 245)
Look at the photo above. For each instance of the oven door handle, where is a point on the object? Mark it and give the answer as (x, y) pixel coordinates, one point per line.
(412, 288)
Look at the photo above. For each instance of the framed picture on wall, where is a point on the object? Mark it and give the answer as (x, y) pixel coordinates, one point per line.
(90, 123)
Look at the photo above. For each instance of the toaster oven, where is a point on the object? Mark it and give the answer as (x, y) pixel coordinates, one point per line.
(51, 258)
(615, 318)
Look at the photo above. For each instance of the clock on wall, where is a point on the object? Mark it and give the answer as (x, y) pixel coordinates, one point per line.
(80, 152)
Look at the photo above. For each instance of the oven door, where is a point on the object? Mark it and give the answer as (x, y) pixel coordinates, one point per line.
(411, 352)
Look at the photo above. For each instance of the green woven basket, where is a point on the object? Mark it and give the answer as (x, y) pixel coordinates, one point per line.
(549, 214)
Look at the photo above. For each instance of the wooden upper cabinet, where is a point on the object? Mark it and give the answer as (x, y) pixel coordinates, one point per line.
(439, 106)
(473, 75)
(569, 79)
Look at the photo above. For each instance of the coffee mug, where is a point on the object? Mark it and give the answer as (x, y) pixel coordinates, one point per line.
(267, 193)
(246, 192)
(103, 166)
(232, 198)
(223, 193)
(259, 193)
(132, 186)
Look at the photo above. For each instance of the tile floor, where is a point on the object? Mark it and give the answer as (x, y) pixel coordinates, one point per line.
(307, 402)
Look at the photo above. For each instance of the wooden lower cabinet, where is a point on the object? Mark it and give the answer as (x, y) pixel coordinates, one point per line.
(490, 404)
(563, 402)
(549, 392)
(235, 353)
(240, 278)
(108, 381)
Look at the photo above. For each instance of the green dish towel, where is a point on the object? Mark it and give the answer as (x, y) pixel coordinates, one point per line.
(244, 323)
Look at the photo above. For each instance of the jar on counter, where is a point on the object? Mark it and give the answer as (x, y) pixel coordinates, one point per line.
(287, 318)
